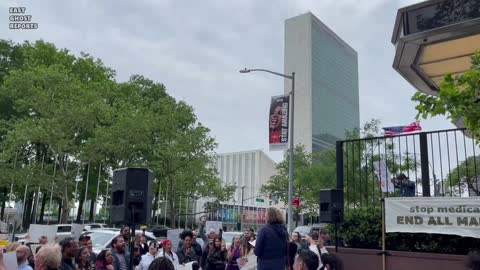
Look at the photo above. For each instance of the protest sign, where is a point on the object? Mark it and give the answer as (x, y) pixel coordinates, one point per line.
(216, 225)
(248, 262)
(174, 236)
(187, 266)
(443, 215)
(10, 260)
(36, 231)
(77, 230)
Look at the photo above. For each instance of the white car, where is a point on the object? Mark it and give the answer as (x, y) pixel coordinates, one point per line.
(102, 238)
(94, 226)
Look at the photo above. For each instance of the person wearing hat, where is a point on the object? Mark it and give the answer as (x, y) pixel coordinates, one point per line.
(168, 253)
(83, 242)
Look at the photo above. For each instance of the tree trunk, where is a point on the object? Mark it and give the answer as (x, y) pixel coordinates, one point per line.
(60, 206)
(170, 202)
(27, 211)
(66, 206)
(155, 205)
(2, 212)
(42, 210)
(34, 207)
(92, 210)
(80, 211)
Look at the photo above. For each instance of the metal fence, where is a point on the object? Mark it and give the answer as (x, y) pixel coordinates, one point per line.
(437, 163)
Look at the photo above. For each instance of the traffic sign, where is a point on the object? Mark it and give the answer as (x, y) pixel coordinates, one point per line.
(296, 201)
(259, 200)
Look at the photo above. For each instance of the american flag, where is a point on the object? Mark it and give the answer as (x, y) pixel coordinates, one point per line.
(392, 131)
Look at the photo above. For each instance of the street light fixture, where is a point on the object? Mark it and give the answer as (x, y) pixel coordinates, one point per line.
(290, 153)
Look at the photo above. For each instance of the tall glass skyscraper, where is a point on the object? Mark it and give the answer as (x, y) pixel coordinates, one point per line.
(326, 82)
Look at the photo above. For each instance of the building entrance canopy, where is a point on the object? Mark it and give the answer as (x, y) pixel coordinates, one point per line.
(434, 38)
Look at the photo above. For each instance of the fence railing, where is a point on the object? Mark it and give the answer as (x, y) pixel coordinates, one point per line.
(437, 163)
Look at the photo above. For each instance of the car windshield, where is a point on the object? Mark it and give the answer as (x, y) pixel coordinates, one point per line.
(99, 239)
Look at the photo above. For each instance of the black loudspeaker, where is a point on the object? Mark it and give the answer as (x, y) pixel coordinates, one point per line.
(131, 196)
(331, 206)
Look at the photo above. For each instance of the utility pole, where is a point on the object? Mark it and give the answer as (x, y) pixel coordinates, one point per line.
(241, 210)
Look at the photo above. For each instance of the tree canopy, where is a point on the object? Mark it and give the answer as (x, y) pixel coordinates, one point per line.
(65, 118)
(458, 98)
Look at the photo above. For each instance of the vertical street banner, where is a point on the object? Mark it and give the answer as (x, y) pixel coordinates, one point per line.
(278, 122)
(381, 170)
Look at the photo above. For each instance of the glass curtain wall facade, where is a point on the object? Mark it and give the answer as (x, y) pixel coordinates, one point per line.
(327, 99)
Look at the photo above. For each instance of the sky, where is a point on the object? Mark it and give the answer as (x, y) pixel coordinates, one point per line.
(196, 48)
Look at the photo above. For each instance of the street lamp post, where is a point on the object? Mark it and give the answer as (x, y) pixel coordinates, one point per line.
(291, 146)
(241, 210)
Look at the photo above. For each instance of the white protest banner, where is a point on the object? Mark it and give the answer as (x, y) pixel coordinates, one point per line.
(216, 225)
(174, 236)
(10, 260)
(248, 262)
(443, 215)
(381, 170)
(3, 227)
(36, 231)
(77, 230)
(187, 266)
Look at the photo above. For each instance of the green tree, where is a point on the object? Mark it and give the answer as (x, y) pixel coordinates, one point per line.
(61, 112)
(465, 176)
(458, 98)
(313, 172)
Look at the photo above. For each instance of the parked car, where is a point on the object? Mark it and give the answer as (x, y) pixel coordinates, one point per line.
(102, 238)
(160, 231)
(63, 231)
(93, 226)
(303, 230)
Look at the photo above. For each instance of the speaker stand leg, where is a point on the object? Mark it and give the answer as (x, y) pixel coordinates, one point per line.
(132, 238)
(336, 237)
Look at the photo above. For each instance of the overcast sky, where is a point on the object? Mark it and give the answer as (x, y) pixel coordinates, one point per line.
(196, 48)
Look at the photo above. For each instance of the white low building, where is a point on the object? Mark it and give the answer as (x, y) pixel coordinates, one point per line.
(248, 169)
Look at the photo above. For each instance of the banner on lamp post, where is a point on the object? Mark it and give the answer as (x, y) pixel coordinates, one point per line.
(278, 122)
(442, 215)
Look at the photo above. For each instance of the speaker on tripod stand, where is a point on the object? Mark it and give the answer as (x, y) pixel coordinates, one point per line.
(131, 200)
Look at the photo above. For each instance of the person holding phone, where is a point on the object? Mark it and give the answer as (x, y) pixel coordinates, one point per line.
(217, 255)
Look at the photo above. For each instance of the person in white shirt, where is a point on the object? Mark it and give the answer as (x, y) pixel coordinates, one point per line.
(316, 245)
(168, 253)
(151, 255)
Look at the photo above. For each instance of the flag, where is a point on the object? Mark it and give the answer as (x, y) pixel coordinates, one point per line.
(392, 131)
(383, 174)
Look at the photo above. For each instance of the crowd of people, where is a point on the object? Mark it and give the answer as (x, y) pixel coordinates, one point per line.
(273, 247)
(206, 251)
